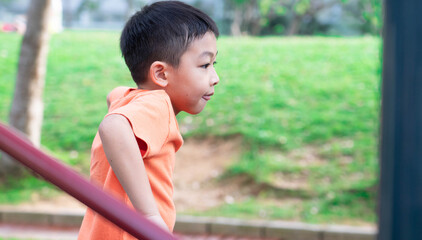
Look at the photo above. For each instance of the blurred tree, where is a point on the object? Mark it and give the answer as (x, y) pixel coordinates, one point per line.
(366, 13)
(26, 113)
(87, 5)
(130, 8)
(292, 17)
(246, 17)
(84, 5)
(133, 6)
(292, 14)
(94, 5)
(372, 16)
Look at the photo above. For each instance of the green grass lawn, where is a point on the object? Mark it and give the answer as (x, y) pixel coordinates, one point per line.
(306, 108)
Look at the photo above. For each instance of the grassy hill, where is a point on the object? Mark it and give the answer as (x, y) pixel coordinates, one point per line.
(306, 108)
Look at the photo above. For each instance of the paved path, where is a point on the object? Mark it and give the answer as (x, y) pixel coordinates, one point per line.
(32, 224)
(14, 231)
(37, 232)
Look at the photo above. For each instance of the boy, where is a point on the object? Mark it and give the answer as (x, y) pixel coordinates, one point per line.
(170, 50)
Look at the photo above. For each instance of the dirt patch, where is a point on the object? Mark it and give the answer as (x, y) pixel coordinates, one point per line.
(199, 164)
(306, 156)
(197, 177)
(198, 185)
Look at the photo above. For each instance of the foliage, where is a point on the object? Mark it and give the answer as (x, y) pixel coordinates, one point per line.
(87, 5)
(239, 2)
(332, 209)
(28, 187)
(301, 16)
(372, 16)
(305, 108)
(5, 1)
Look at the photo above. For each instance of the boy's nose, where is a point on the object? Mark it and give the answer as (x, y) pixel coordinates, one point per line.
(215, 79)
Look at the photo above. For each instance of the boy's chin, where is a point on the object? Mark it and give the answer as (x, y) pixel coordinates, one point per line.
(196, 110)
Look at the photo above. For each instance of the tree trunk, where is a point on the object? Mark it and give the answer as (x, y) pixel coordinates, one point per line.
(68, 15)
(27, 107)
(294, 25)
(252, 18)
(130, 10)
(237, 22)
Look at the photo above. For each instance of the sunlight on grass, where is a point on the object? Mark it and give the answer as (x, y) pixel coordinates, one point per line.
(306, 107)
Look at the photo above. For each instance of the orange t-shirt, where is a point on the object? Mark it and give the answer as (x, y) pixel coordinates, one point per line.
(154, 124)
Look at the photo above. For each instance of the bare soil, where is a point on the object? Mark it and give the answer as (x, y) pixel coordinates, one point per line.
(198, 182)
(199, 164)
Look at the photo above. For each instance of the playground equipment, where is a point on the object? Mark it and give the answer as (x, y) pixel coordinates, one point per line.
(400, 198)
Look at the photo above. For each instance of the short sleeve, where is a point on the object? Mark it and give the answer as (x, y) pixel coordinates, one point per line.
(149, 118)
(116, 93)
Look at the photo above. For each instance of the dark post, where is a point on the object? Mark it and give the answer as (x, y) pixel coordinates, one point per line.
(400, 198)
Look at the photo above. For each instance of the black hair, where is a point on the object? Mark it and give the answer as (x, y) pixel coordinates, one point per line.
(161, 31)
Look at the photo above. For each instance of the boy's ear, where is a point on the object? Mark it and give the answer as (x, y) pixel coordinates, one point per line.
(158, 73)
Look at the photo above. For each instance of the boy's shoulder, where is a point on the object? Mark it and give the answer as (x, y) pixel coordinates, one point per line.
(117, 93)
(150, 114)
(138, 100)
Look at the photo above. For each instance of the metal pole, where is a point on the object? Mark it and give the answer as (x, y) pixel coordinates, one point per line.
(80, 188)
(400, 198)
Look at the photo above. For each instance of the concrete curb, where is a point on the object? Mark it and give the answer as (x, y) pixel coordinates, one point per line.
(206, 225)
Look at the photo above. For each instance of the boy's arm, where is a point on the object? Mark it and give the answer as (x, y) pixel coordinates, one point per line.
(123, 154)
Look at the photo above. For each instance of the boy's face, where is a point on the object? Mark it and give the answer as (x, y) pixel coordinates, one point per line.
(191, 84)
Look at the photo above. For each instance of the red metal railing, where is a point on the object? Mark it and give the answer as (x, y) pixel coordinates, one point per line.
(78, 187)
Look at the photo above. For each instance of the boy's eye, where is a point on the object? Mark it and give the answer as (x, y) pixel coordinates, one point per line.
(207, 65)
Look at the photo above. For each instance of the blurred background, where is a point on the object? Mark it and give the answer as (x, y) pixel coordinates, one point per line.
(291, 133)
(234, 17)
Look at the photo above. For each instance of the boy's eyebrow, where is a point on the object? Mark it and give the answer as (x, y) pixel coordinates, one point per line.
(208, 53)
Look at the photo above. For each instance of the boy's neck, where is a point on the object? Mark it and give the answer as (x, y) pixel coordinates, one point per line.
(149, 86)
(153, 86)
